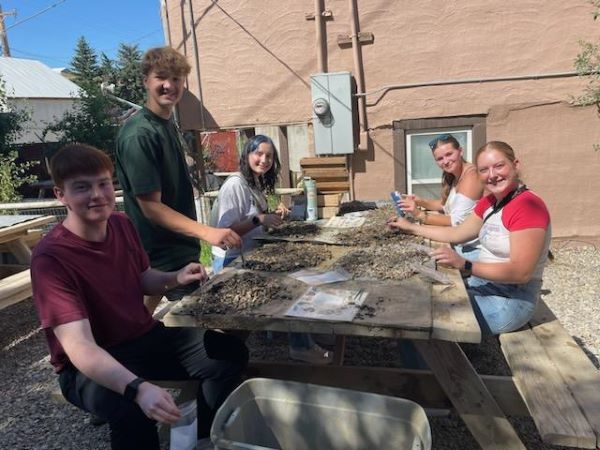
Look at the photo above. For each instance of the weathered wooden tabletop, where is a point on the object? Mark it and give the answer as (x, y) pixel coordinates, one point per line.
(414, 308)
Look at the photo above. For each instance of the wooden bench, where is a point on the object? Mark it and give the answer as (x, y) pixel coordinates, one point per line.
(559, 384)
(15, 284)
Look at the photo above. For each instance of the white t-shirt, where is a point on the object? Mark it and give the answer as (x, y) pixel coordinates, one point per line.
(236, 202)
(458, 207)
(526, 210)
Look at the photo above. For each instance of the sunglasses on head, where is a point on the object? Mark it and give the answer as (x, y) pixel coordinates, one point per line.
(441, 137)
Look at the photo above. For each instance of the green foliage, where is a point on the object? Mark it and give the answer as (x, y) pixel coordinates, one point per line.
(205, 254)
(11, 121)
(129, 83)
(12, 176)
(93, 120)
(84, 65)
(587, 64)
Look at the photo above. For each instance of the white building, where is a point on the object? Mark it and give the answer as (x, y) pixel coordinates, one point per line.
(43, 92)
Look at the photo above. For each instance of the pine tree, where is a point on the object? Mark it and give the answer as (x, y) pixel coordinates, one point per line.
(129, 78)
(107, 69)
(84, 65)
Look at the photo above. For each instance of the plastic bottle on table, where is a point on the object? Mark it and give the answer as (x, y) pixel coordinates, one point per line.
(310, 187)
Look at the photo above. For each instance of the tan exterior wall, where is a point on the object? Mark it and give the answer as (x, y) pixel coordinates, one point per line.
(555, 145)
(256, 58)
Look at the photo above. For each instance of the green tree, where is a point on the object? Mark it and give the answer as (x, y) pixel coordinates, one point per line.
(12, 173)
(93, 119)
(84, 65)
(129, 81)
(108, 71)
(587, 64)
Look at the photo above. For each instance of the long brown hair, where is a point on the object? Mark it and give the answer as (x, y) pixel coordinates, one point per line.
(447, 178)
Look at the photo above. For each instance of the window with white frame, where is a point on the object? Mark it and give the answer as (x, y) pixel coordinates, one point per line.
(424, 177)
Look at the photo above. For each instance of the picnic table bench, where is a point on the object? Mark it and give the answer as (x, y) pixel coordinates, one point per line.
(17, 235)
(557, 381)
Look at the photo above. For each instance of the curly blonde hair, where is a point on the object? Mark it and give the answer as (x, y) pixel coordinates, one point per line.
(165, 59)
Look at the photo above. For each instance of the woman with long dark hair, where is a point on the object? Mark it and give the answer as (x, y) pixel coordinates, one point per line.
(242, 206)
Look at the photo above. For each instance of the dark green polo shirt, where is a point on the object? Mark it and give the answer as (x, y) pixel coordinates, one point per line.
(150, 158)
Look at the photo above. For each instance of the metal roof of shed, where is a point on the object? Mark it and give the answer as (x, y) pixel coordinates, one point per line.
(27, 78)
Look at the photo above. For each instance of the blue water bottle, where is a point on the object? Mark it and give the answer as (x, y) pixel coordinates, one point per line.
(395, 199)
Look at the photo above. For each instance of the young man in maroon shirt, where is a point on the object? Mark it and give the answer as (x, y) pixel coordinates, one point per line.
(89, 276)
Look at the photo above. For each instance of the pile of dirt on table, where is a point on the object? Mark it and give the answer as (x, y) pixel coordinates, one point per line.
(373, 234)
(295, 230)
(286, 256)
(354, 206)
(386, 262)
(242, 292)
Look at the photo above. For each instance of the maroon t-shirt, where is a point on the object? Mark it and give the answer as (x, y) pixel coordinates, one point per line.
(75, 279)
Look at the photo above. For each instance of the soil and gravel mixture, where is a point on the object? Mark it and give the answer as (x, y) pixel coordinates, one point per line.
(243, 292)
(354, 206)
(295, 230)
(373, 234)
(286, 256)
(389, 262)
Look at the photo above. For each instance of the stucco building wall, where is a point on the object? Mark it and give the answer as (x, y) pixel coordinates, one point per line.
(256, 58)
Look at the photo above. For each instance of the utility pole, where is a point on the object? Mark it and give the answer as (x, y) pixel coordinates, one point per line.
(3, 35)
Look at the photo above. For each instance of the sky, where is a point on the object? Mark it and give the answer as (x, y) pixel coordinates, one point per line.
(51, 37)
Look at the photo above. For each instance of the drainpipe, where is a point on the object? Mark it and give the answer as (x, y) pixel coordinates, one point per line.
(197, 64)
(321, 61)
(363, 143)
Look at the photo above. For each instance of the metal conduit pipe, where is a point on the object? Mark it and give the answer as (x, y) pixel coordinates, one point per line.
(197, 63)
(363, 143)
(321, 62)
(385, 89)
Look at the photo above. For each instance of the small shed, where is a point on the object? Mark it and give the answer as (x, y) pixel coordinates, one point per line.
(43, 92)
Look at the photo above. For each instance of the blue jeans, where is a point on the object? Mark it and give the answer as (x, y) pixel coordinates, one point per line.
(298, 341)
(502, 307)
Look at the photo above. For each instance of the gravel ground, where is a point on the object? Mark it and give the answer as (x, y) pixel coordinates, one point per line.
(31, 419)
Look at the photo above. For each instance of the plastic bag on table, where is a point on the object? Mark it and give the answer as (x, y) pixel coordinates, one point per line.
(184, 433)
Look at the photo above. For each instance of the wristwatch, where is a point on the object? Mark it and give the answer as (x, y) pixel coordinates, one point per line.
(131, 389)
(467, 268)
(255, 221)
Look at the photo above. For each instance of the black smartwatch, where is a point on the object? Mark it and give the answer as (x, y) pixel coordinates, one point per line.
(467, 268)
(255, 221)
(131, 389)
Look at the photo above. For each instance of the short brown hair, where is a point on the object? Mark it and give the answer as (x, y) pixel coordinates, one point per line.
(78, 159)
(165, 59)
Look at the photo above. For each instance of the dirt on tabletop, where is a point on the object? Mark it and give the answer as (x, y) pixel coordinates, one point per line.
(355, 206)
(385, 262)
(243, 292)
(286, 256)
(295, 230)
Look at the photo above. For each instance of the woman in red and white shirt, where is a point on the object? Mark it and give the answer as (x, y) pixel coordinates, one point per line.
(513, 226)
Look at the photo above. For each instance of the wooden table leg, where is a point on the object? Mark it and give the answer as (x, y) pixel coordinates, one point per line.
(469, 395)
(20, 250)
(339, 350)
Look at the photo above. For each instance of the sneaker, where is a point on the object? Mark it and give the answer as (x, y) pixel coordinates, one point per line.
(313, 355)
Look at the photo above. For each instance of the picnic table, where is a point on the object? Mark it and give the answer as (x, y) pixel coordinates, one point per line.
(436, 318)
(17, 234)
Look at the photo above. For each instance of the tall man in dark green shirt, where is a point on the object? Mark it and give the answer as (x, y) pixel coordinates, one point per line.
(153, 173)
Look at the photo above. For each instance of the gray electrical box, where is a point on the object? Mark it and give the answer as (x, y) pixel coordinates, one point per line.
(333, 121)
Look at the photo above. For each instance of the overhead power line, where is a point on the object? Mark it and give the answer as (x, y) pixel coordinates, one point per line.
(36, 14)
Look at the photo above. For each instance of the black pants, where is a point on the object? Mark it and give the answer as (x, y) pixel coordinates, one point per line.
(163, 353)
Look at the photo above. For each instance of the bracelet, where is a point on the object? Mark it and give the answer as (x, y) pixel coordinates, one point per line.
(423, 220)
